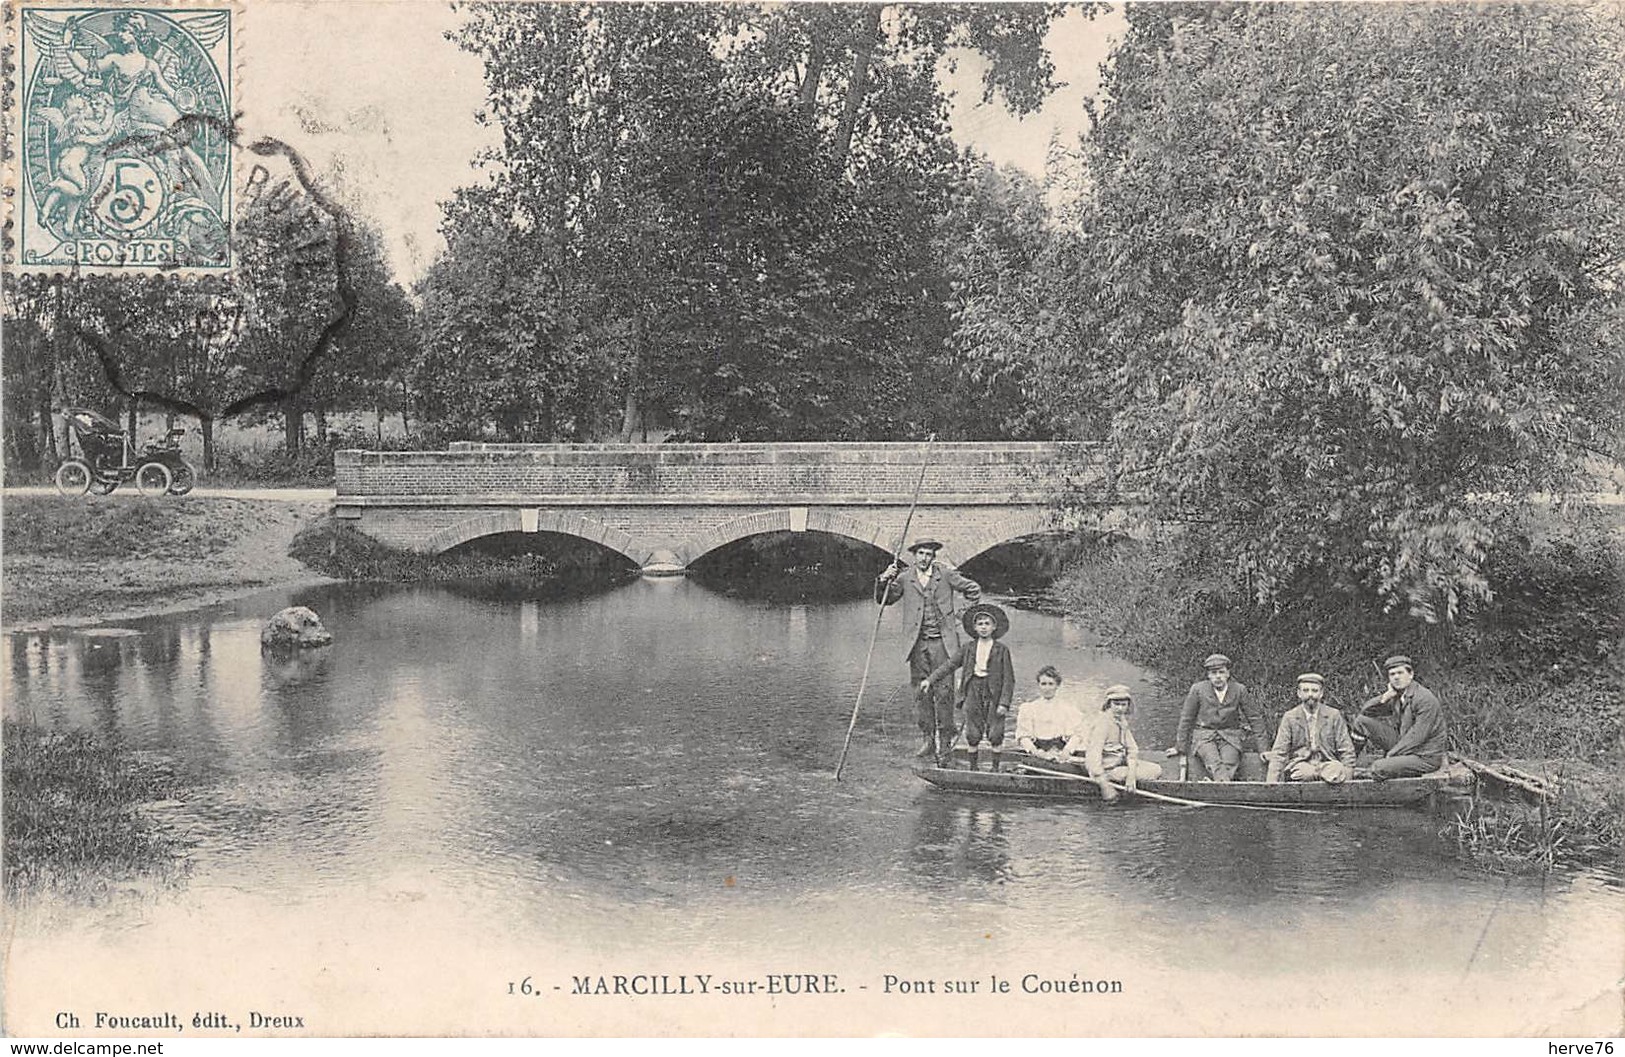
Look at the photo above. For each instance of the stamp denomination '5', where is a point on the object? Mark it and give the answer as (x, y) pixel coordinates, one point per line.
(125, 133)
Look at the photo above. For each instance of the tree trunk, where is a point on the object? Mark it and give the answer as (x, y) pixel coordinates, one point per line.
(293, 422)
(863, 47)
(809, 82)
(380, 413)
(696, 410)
(47, 429)
(321, 426)
(133, 421)
(629, 414)
(207, 425)
(58, 396)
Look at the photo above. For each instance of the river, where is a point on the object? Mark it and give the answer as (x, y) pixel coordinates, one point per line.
(465, 793)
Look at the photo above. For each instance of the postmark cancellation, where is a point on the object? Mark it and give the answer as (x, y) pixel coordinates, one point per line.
(121, 126)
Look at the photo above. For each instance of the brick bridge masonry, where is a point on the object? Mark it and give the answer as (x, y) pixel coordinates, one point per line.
(664, 505)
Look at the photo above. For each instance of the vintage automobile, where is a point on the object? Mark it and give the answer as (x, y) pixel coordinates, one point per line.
(105, 459)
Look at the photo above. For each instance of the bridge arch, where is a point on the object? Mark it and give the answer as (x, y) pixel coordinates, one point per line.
(786, 519)
(1012, 527)
(561, 522)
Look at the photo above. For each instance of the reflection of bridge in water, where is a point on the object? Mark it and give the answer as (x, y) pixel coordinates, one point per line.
(664, 505)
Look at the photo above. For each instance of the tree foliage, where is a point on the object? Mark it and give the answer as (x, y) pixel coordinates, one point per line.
(726, 220)
(1356, 271)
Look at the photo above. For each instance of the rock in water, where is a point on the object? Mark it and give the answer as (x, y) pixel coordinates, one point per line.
(294, 628)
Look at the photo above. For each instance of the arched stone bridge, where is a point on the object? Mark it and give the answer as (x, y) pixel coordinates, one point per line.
(664, 505)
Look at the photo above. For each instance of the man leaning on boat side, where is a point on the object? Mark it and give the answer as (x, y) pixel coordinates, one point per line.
(1215, 715)
(1312, 744)
(1413, 740)
(927, 593)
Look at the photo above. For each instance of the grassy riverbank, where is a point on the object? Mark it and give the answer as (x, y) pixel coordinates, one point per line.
(78, 814)
(1532, 677)
(92, 560)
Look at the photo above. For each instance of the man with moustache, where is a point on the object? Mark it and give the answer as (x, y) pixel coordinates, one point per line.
(1312, 744)
(927, 592)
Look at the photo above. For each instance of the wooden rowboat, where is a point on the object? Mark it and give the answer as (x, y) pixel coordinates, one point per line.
(1440, 790)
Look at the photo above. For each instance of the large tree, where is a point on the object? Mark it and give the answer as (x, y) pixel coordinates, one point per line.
(739, 207)
(1356, 269)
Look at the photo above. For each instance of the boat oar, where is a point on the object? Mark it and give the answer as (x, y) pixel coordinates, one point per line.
(1165, 797)
(880, 607)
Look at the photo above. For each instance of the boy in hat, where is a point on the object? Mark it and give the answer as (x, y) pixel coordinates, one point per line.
(927, 593)
(1414, 743)
(1110, 753)
(1215, 715)
(1312, 743)
(988, 685)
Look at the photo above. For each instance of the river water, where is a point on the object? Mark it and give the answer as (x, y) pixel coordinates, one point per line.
(465, 793)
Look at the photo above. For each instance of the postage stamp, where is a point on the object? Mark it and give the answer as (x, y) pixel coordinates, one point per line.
(123, 119)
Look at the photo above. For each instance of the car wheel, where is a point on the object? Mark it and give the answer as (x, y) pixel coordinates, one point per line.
(182, 477)
(73, 478)
(153, 479)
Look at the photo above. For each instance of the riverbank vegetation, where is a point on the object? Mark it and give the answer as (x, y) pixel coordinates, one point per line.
(1378, 318)
(510, 563)
(79, 814)
(1530, 674)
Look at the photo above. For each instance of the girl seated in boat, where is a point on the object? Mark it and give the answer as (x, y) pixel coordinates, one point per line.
(1046, 724)
(1110, 752)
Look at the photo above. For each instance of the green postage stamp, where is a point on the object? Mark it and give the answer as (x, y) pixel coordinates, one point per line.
(123, 118)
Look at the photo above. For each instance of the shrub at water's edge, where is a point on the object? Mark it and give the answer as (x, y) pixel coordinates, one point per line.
(335, 549)
(1531, 675)
(77, 814)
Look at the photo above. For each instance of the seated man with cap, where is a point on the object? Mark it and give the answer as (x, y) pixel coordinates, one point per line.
(1312, 743)
(1414, 742)
(927, 593)
(1215, 715)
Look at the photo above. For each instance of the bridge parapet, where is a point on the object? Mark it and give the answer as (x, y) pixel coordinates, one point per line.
(965, 473)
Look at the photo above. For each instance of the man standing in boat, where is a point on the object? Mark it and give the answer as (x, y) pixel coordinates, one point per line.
(1215, 715)
(1312, 743)
(1405, 722)
(927, 592)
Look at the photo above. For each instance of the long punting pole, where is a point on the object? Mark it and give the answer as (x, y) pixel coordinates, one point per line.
(880, 605)
(1170, 799)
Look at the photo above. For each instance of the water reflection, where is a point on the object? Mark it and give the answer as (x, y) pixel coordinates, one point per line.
(958, 840)
(567, 762)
